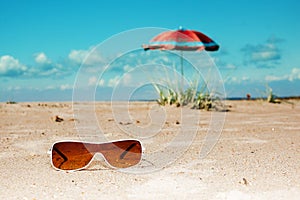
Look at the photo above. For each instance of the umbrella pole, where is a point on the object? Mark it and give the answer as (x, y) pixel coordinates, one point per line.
(181, 64)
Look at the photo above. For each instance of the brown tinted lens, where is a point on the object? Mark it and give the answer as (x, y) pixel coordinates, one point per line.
(122, 154)
(70, 155)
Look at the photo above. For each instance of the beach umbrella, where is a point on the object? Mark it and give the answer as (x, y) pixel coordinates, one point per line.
(182, 40)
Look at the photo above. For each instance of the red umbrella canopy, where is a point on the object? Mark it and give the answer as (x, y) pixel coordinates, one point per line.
(182, 39)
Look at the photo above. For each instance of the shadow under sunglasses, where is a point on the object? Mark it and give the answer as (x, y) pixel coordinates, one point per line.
(74, 155)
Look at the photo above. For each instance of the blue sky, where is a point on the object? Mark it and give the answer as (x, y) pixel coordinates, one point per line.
(42, 43)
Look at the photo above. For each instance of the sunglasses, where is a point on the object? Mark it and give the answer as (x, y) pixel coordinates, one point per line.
(75, 155)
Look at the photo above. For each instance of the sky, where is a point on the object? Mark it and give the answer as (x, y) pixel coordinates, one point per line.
(44, 44)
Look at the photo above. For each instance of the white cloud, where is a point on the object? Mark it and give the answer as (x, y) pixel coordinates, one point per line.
(9, 66)
(232, 79)
(12, 88)
(165, 59)
(101, 82)
(87, 57)
(50, 87)
(92, 80)
(237, 80)
(113, 81)
(245, 78)
(78, 55)
(294, 75)
(45, 67)
(41, 58)
(127, 80)
(275, 78)
(263, 54)
(230, 66)
(66, 87)
(127, 68)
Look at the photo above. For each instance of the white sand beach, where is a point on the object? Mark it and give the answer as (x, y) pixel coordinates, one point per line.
(256, 157)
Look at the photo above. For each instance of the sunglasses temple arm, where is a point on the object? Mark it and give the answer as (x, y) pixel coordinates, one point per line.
(60, 153)
(126, 151)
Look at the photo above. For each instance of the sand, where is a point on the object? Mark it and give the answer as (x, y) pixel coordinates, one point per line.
(256, 157)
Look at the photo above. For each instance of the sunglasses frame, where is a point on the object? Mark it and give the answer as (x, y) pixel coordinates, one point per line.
(87, 165)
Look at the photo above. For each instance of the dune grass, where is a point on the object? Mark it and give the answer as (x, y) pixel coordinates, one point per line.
(196, 96)
(271, 97)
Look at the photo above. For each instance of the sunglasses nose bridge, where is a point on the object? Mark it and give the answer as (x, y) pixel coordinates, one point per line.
(94, 148)
(97, 151)
(99, 156)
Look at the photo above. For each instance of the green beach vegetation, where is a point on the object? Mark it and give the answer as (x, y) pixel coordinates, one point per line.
(196, 96)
